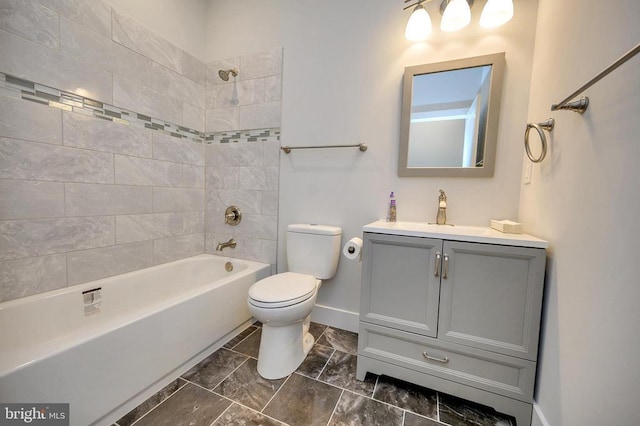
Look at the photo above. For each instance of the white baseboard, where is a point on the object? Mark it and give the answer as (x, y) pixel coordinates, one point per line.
(335, 317)
(538, 419)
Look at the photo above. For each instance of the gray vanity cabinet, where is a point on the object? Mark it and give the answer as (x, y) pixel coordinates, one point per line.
(459, 317)
(402, 291)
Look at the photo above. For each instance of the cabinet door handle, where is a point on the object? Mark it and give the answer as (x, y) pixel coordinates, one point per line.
(446, 266)
(437, 265)
(432, 358)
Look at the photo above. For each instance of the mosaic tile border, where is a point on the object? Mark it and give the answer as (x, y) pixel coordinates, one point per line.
(19, 88)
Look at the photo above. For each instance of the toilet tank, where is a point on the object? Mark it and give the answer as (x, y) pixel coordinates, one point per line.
(313, 249)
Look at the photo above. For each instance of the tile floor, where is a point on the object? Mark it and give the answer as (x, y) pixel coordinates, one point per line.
(225, 389)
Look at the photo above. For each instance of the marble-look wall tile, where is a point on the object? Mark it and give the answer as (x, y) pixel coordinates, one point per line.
(24, 277)
(31, 199)
(178, 150)
(271, 153)
(177, 200)
(31, 121)
(24, 59)
(222, 178)
(261, 64)
(250, 202)
(270, 202)
(31, 20)
(269, 251)
(130, 95)
(25, 238)
(96, 49)
(259, 116)
(193, 68)
(193, 117)
(144, 227)
(193, 176)
(193, 222)
(245, 92)
(177, 86)
(174, 248)
(89, 265)
(92, 133)
(147, 172)
(95, 15)
(273, 88)
(40, 161)
(222, 119)
(93, 200)
(235, 154)
(259, 178)
(129, 33)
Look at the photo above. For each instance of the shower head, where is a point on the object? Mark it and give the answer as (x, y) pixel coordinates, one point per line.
(224, 74)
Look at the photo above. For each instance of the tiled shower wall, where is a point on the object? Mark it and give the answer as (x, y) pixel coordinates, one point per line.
(83, 198)
(243, 167)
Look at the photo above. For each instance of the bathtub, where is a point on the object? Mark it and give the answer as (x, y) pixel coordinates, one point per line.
(106, 345)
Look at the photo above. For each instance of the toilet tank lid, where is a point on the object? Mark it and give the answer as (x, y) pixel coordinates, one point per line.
(312, 228)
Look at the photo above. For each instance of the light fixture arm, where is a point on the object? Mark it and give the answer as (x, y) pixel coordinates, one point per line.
(418, 3)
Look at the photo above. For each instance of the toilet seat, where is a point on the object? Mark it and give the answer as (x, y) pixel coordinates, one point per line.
(280, 290)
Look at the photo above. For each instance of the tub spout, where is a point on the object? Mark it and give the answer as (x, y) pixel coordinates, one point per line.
(231, 243)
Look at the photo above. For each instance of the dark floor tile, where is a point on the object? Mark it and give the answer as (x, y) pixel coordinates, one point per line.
(407, 396)
(303, 401)
(316, 330)
(358, 410)
(240, 337)
(251, 345)
(237, 415)
(411, 419)
(342, 340)
(191, 406)
(315, 361)
(341, 371)
(147, 405)
(459, 412)
(213, 369)
(247, 387)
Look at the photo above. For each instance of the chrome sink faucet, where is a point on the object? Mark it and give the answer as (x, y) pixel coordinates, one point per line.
(221, 246)
(441, 218)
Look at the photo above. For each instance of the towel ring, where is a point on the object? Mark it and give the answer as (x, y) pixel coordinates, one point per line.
(545, 125)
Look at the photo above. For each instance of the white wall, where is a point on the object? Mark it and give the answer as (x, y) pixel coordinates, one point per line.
(343, 66)
(584, 200)
(182, 22)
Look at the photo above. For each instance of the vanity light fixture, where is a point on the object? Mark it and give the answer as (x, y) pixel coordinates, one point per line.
(496, 13)
(419, 24)
(456, 14)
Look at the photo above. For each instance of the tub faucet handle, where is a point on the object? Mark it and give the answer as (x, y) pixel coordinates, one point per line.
(221, 246)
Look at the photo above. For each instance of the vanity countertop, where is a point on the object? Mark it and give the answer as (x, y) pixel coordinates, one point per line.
(473, 234)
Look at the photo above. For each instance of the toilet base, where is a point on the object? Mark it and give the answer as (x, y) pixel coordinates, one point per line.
(282, 349)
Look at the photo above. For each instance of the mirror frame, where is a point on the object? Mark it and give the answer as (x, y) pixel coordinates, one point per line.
(491, 131)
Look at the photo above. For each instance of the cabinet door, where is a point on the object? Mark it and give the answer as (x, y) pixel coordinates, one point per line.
(400, 288)
(491, 297)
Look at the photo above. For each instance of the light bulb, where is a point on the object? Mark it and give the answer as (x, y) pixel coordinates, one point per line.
(456, 16)
(419, 25)
(496, 13)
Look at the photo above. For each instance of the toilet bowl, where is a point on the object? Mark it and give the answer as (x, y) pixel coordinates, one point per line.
(283, 302)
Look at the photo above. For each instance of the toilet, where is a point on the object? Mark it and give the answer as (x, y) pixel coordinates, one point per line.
(283, 302)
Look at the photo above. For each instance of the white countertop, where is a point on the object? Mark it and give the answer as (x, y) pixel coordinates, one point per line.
(473, 234)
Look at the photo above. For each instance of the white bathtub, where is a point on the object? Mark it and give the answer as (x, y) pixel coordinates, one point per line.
(152, 325)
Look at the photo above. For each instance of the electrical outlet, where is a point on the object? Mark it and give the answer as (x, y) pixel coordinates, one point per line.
(527, 172)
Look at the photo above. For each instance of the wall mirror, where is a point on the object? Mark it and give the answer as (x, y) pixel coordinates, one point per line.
(449, 123)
